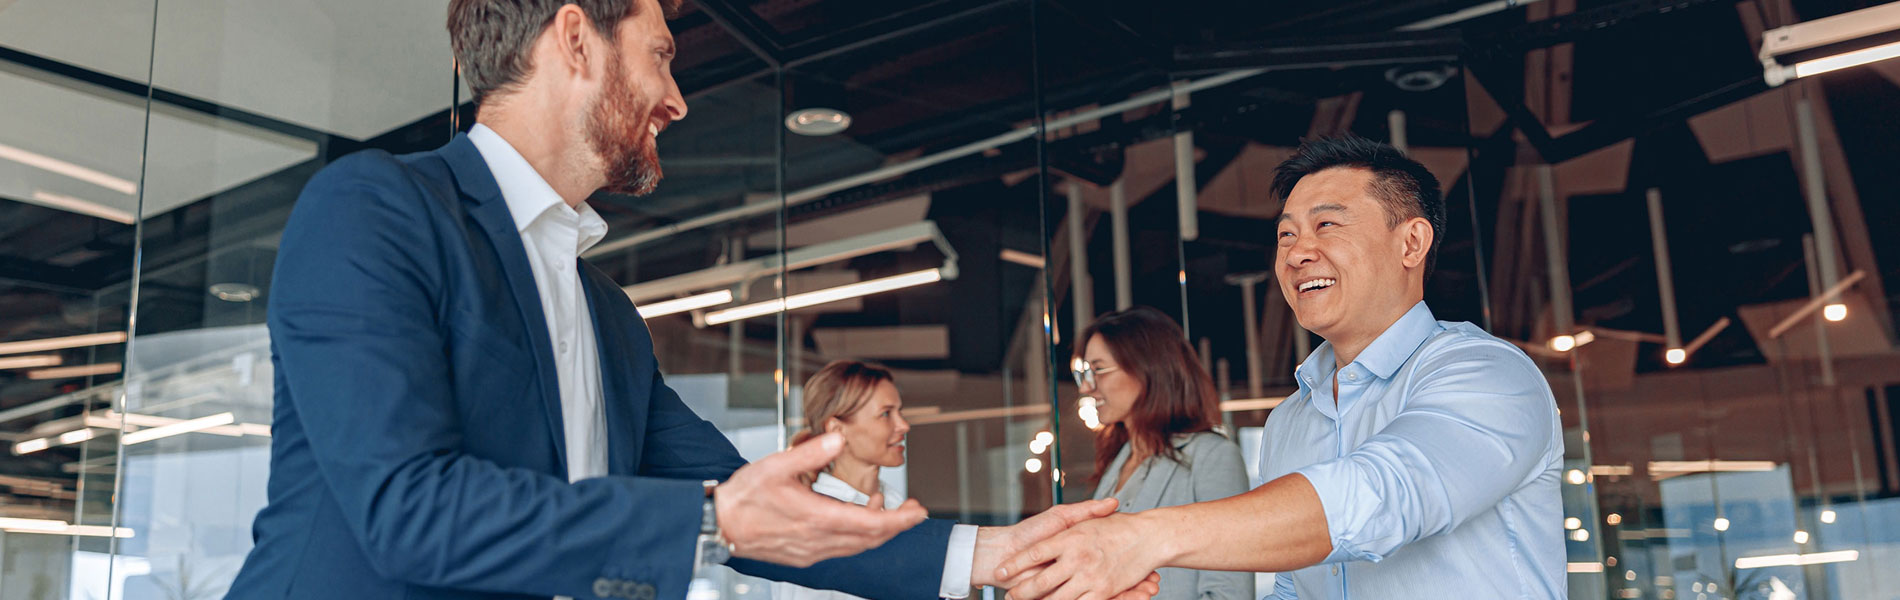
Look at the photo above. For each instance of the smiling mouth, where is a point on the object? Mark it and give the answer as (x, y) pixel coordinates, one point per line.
(1317, 284)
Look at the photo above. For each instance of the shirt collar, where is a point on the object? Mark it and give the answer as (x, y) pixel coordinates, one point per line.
(1386, 353)
(834, 487)
(528, 195)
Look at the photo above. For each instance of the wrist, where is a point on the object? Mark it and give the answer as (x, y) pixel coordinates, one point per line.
(1160, 546)
(991, 551)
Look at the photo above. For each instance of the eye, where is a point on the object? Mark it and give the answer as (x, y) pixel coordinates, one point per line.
(1323, 224)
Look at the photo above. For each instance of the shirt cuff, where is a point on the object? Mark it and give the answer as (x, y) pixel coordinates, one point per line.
(1354, 521)
(957, 562)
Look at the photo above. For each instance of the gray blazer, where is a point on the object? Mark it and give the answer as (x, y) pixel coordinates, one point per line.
(1213, 470)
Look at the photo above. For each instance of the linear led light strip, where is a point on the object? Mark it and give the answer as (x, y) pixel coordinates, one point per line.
(62, 343)
(1791, 560)
(695, 302)
(41, 161)
(1703, 466)
(181, 427)
(808, 299)
(28, 362)
(49, 526)
(80, 205)
(74, 371)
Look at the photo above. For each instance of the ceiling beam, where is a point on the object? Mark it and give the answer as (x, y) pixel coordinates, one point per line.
(746, 27)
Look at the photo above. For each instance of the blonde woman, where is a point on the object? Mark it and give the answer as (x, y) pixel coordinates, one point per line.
(860, 401)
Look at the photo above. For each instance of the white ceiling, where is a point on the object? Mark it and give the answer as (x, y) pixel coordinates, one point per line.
(354, 68)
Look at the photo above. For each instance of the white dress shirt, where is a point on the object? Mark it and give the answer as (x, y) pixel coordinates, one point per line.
(554, 236)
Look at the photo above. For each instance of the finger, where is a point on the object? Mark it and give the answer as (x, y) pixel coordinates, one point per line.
(808, 457)
(1033, 557)
(838, 518)
(1101, 508)
(877, 501)
(1073, 589)
(1039, 586)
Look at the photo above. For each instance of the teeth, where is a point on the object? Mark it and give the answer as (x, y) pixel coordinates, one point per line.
(1317, 284)
(653, 130)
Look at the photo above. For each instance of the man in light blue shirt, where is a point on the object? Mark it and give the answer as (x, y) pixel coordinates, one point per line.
(1419, 457)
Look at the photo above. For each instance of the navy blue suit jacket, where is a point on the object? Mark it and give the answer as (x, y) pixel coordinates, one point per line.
(417, 447)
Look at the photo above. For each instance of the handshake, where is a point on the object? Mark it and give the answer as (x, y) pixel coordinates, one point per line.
(1072, 551)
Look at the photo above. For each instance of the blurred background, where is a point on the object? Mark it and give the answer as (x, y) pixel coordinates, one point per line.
(1696, 257)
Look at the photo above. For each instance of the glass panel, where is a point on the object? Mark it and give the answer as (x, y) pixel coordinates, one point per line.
(265, 96)
(934, 179)
(72, 139)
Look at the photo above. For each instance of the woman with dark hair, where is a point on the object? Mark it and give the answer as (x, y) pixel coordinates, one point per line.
(1157, 445)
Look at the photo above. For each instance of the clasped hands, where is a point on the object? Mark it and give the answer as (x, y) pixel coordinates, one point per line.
(1074, 551)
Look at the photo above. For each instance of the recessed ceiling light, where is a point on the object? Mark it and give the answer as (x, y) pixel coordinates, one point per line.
(817, 121)
(235, 292)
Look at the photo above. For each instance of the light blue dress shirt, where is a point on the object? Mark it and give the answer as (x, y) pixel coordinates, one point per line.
(1437, 468)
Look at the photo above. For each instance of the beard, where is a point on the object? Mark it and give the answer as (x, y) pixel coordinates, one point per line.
(617, 133)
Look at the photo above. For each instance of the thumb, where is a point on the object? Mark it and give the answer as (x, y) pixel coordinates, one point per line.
(1100, 508)
(811, 456)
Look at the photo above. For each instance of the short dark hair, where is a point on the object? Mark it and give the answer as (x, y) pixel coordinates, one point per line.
(1405, 187)
(491, 38)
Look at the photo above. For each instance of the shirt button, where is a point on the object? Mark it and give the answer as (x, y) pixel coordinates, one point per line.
(563, 347)
(1335, 570)
(1352, 376)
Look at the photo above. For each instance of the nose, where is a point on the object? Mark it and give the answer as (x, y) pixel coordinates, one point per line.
(674, 102)
(1300, 253)
(903, 426)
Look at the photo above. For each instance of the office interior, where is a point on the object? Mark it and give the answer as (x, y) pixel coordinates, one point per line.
(1687, 227)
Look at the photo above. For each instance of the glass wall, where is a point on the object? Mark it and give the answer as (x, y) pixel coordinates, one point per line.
(953, 190)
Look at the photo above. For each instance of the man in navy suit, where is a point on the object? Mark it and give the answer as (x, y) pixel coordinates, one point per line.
(465, 409)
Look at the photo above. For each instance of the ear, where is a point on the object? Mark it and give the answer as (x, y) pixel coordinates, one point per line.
(834, 424)
(571, 30)
(1417, 237)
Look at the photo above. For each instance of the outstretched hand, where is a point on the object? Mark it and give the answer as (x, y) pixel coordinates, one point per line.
(767, 513)
(997, 544)
(1101, 559)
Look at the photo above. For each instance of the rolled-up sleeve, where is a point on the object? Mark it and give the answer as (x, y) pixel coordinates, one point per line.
(1477, 425)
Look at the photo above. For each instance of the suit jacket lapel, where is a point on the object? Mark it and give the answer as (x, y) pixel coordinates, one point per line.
(1160, 470)
(491, 211)
(617, 393)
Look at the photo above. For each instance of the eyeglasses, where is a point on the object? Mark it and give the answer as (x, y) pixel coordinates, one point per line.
(1085, 374)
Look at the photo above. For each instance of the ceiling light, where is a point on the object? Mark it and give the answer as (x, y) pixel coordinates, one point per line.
(1614, 519)
(1792, 560)
(680, 305)
(1835, 312)
(31, 446)
(1827, 44)
(843, 292)
(28, 362)
(1573, 523)
(74, 371)
(1676, 356)
(1033, 465)
(61, 343)
(1800, 537)
(80, 206)
(235, 292)
(181, 427)
(817, 121)
(1563, 343)
(1575, 477)
(1581, 535)
(1827, 516)
(41, 161)
(1721, 523)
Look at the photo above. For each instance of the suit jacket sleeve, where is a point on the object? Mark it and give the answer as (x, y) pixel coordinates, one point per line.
(354, 324)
